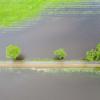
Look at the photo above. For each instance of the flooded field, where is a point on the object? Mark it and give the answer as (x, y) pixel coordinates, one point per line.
(29, 85)
(37, 39)
(75, 34)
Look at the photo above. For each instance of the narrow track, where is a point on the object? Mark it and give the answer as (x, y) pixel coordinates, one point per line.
(48, 65)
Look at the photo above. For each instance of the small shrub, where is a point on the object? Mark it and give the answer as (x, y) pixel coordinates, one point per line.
(98, 47)
(12, 51)
(93, 54)
(60, 54)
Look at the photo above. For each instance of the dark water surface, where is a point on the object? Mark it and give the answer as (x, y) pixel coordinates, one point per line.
(28, 85)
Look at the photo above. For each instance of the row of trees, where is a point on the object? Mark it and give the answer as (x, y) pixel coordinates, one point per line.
(93, 54)
(14, 52)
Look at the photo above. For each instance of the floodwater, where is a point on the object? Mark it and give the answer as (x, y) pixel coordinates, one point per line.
(38, 39)
(28, 85)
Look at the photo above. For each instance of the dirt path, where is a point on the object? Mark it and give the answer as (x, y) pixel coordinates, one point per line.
(48, 65)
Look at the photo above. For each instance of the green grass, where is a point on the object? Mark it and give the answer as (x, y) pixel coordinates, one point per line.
(14, 11)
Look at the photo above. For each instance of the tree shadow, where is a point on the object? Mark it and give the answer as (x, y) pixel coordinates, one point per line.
(20, 58)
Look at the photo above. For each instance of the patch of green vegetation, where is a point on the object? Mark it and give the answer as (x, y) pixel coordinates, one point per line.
(77, 70)
(69, 70)
(60, 54)
(93, 54)
(45, 59)
(97, 69)
(13, 11)
(12, 52)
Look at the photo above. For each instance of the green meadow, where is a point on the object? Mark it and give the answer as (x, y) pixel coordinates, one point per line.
(13, 11)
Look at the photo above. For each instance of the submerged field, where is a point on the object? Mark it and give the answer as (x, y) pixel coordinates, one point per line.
(30, 85)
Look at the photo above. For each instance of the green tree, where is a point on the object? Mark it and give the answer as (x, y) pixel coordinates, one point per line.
(98, 47)
(93, 54)
(12, 51)
(60, 54)
(90, 55)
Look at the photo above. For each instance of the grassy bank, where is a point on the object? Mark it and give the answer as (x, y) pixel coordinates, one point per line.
(13, 11)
